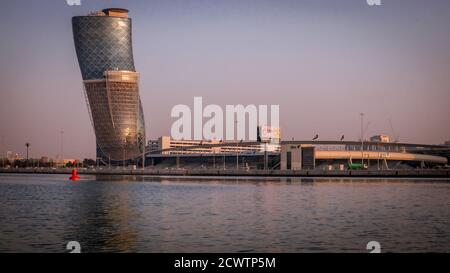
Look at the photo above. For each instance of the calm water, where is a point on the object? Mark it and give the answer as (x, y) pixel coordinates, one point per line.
(43, 213)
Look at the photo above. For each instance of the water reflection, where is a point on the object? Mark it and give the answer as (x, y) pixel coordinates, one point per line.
(193, 214)
(101, 218)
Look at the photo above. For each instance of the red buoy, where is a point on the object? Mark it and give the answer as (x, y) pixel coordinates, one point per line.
(74, 176)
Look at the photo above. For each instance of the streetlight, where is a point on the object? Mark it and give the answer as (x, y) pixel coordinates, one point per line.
(214, 151)
(237, 143)
(28, 146)
(1, 152)
(62, 144)
(266, 161)
(214, 158)
(362, 139)
(237, 155)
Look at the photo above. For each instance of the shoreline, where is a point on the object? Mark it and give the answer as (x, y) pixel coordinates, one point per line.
(240, 173)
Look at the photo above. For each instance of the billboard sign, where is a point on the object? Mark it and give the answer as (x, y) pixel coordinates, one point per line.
(269, 134)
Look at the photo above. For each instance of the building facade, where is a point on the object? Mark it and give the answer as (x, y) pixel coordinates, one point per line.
(168, 146)
(381, 138)
(339, 155)
(103, 43)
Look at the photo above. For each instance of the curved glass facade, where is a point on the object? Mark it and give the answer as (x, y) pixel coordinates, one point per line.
(104, 49)
(103, 43)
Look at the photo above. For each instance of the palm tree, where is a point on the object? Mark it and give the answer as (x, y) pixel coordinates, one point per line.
(28, 146)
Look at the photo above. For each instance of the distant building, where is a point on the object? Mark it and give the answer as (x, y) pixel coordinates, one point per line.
(381, 138)
(206, 147)
(298, 157)
(11, 156)
(334, 155)
(45, 160)
(64, 162)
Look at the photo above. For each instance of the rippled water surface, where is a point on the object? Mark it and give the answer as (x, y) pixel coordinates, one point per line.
(164, 214)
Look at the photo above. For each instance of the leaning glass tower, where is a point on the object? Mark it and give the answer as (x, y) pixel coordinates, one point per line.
(103, 42)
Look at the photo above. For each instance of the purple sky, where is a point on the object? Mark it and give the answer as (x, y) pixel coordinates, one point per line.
(322, 61)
